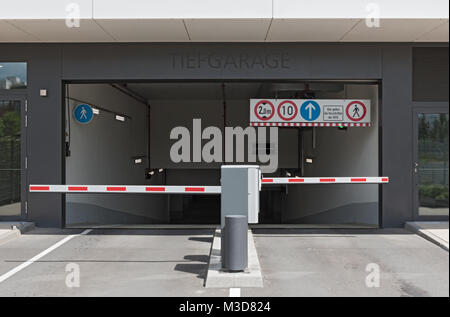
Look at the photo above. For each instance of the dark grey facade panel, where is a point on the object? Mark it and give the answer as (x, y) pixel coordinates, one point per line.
(430, 73)
(45, 134)
(220, 61)
(50, 64)
(397, 136)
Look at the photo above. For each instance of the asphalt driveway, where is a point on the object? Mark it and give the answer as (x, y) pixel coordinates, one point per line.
(339, 262)
(121, 262)
(111, 262)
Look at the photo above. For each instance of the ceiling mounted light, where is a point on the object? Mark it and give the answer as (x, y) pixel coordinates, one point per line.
(149, 173)
(120, 118)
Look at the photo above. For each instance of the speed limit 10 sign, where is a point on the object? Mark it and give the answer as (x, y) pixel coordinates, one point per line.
(310, 112)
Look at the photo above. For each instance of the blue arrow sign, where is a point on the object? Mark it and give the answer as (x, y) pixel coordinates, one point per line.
(83, 113)
(310, 110)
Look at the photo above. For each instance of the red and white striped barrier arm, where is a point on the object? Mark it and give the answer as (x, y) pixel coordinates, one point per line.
(157, 189)
(325, 180)
(162, 189)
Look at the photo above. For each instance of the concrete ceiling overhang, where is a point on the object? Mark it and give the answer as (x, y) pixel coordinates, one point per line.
(224, 21)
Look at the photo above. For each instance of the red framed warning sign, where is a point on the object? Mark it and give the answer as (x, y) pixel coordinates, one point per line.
(356, 111)
(287, 110)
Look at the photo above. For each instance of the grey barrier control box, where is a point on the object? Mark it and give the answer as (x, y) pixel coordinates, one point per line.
(240, 194)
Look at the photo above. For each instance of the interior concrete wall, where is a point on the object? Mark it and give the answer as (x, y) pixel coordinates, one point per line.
(102, 152)
(170, 113)
(350, 152)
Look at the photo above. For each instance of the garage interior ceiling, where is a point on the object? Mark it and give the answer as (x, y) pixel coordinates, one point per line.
(225, 21)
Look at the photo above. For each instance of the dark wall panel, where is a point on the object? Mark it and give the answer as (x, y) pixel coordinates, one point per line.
(221, 61)
(397, 135)
(430, 73)
(45, 133)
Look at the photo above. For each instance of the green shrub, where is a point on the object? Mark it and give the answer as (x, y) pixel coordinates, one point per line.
(435, 191)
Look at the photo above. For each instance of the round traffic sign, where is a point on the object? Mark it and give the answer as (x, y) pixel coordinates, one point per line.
(310, 110)
(83, 113)
(264, 110)
(287, 110)
(356, 111)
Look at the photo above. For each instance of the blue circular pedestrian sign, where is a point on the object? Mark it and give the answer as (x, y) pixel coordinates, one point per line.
(83, 113)
(310, 110)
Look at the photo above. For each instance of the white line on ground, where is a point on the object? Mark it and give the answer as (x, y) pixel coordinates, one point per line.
(235, 292)
(40, 255)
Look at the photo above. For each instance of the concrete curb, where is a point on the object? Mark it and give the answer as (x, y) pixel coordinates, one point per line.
(216, 278)
(12, 230)
(426, 234)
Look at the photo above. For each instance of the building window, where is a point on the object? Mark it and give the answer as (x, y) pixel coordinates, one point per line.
(13, 75)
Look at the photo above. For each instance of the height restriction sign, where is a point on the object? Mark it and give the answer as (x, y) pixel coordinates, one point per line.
(264, 110)
(310, 112)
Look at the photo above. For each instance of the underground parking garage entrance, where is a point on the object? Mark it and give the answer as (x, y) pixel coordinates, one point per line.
(122, 133)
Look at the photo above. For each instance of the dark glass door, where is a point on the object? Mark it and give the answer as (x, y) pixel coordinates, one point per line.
(431, 165)
(11, 150)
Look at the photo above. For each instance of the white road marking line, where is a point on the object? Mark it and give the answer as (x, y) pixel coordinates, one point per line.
(235, 292)
(40, 255)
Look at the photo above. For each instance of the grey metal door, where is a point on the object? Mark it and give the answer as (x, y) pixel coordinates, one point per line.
(13, 193)
(430, 166)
